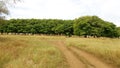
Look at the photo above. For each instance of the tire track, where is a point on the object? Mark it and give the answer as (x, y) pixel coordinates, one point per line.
(92, 60)
(77, 58)
(72, 60)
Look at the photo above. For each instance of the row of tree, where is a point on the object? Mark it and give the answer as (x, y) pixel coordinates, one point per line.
(83, 26)
(38, 26)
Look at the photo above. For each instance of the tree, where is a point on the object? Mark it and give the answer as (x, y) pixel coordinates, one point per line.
(83, 26)
(3, 7)
(118, 32)
(109, 30)
(4, 11)
(93, 26)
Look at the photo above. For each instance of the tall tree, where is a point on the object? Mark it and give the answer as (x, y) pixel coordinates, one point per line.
(93, 26)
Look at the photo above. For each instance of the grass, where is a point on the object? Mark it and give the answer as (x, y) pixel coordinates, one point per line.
(105, 48)
(30, 52)
(38, 51)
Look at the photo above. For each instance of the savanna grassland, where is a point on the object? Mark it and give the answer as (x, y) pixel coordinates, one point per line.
(29, 52)
(107, 49)
(19, 51)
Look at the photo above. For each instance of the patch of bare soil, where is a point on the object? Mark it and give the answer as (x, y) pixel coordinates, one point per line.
(72, 60)
(92, 60)
(77, 58)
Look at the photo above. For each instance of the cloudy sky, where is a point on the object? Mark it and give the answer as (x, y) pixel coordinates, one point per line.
(108, 10)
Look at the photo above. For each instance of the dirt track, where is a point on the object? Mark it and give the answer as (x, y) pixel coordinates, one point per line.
(77, 58)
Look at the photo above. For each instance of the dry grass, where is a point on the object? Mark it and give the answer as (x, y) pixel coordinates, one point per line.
(105, 48)
(29, 52)
(39, 52)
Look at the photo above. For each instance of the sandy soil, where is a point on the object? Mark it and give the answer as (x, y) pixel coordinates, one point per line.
(77, 58)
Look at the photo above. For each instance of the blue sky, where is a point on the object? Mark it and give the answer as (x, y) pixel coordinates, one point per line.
(67, 9)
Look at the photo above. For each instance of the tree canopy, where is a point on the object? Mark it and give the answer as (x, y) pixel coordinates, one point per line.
(83, 26)
(93, 26)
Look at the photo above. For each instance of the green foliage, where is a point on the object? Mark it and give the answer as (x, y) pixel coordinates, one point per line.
(94, 26)
(84, 26)
(38, 26)
(118, 31)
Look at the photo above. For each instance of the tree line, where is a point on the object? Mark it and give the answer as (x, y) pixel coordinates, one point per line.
(83, 26)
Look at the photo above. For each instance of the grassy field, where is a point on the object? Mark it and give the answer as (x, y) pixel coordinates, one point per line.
(29, 52)
(106, 49)
(39, 51)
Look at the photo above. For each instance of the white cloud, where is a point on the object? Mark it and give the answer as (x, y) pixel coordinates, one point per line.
(67, 9)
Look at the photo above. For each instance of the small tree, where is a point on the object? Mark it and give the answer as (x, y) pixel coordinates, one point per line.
(4, 8)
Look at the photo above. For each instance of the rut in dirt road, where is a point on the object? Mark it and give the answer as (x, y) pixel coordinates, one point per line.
(92, 61)
(77, 58)
(72, 60)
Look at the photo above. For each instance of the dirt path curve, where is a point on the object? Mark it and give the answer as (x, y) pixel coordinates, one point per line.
(93, 61)
(72, 60)
(77, 58)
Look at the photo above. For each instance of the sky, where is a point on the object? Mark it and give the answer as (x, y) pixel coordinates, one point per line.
(108, 10)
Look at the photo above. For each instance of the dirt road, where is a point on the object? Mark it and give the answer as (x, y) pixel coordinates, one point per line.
(77, 58)
(72, 60)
